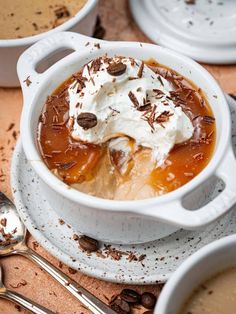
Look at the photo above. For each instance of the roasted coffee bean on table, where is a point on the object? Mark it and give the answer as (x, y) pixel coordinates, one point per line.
(148, 300)
(130, 296)
(88, 244)
(120, 306)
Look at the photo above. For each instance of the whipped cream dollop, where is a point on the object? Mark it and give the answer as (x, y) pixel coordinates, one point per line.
(126, 98)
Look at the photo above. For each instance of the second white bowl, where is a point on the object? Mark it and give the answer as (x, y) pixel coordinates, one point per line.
(11, 49)
(207, 262)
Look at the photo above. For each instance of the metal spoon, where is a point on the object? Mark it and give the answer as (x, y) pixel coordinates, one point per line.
(10, 223)
(20, 300)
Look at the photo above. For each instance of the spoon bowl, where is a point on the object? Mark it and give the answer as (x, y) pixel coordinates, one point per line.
(12, 230)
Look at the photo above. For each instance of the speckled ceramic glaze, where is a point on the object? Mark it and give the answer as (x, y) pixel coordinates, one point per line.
(125, 221)
(204, 30)
(162, 256)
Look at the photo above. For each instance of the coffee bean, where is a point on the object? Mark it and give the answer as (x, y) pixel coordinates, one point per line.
(116, 69)
(130, 296)
(87, 120)
(120, 306)
(88, 244)
(148, 300)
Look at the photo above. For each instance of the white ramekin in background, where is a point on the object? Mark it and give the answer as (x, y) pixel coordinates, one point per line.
(202, 265)
(123, 221)
(10, 49)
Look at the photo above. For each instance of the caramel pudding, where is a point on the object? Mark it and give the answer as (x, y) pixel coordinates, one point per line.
(125, 129)
(215, 296)
(23, 18)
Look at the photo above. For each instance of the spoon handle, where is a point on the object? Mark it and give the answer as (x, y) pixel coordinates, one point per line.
(24, 302)
(85, 297)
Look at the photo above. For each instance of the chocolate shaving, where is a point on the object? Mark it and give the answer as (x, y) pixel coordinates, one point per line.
(57, 127)
(160, 80)
(164, 117)
(81, 84)
(55, 109)
(35, 245)
(95, 65)
(72, 271)
(150, 116)
(20, 284)
(11, 126)
(134, 100)
(114, 111)
(92, 80)
(190, 2)
(208, 119)
(61, 221)
(158, 91)
(140, 71)
(145, 107)
(14, 135)
(27, 81)
(18, 307)
(202, 102)
(66, 165)
(97, 46)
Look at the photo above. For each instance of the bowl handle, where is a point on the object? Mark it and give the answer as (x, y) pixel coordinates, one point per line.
(28, 61)
(175, 214)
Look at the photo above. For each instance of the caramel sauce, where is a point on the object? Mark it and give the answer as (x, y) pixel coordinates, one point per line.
(186, 160)
(76, 162)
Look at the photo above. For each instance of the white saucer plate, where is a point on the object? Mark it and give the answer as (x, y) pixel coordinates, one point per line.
(204, 30)
(162, 256)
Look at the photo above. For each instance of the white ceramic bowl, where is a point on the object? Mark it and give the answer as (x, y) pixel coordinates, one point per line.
(124, 221)
(202, 265)
(11, 49)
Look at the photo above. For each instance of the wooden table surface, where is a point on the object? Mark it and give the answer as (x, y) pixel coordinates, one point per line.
(40, 287)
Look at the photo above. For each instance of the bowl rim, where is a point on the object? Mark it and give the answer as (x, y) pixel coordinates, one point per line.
(70, 23)
(135, 206)
(186, 267)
